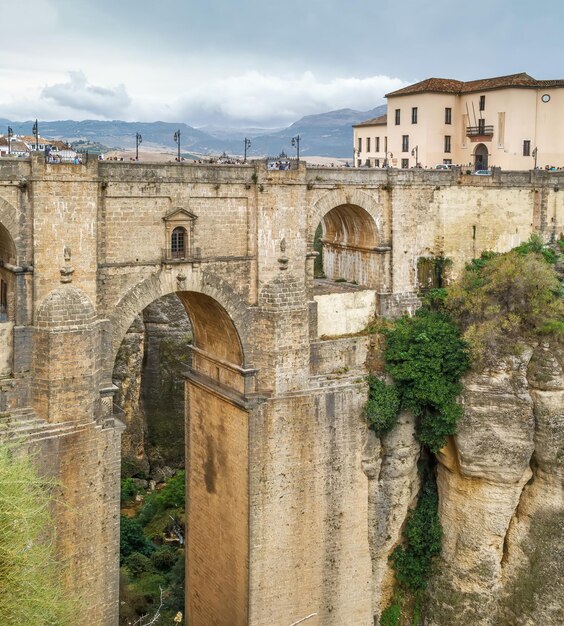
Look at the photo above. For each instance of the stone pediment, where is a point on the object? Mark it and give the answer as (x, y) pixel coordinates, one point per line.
(178, 214)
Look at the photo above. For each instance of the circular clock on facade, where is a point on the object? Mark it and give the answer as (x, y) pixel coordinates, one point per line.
(545, 98)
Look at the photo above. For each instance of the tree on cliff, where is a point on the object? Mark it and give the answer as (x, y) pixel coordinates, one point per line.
(502, 300)
(30, 585)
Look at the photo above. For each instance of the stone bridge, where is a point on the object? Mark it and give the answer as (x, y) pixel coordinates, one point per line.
(280, 507)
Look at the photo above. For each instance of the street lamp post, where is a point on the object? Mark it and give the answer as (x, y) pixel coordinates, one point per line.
(35, 131)
(534, 153)
(10, 135)
(177, 140)
(247, 145)
(296, 144)
(391, 157)
(138, 140)
(415, 153)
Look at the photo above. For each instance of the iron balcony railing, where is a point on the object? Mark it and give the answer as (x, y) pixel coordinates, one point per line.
(479, 131)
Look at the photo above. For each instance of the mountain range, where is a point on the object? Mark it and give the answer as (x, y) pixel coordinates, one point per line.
(325, 134)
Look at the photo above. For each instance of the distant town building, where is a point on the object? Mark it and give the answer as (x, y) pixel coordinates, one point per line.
(513, 122)
(22, 145)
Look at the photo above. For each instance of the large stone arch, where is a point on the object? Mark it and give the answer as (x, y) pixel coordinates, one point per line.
(217, 438)
(167, 282)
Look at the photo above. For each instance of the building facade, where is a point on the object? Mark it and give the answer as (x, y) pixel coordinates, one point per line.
(514, 122)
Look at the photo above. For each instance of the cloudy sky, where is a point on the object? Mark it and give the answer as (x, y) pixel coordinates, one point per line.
(256, 62)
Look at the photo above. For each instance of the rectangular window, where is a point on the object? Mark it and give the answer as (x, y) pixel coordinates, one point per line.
(527, 147)
(447, 161)
(377, 146)
(385, 144)
(481, 126)
(377, 163)
(447, 143)
(368, 144)
(360, 144)
(482, 103)
(448, 115)
(405, 163)
(405, 143)
(414, 115)
(398, 116)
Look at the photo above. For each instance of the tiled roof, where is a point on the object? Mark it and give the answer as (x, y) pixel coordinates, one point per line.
(16, 146)
(448, 85)
(375, 121)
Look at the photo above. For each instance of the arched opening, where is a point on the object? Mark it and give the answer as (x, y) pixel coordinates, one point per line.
(178, 242)
(7, 299)
(181, 383)
(347, 239)
(481, 157)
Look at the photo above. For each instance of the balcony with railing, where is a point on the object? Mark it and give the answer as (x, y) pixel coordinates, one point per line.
(480, 131)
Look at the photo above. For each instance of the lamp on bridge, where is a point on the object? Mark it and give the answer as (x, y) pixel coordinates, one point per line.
(415, 153)
(35, 131)
(386, 162)
(177, 140)
(534, 153)
(247, 145)
(138, 140)
(10, 135)
(296, 144)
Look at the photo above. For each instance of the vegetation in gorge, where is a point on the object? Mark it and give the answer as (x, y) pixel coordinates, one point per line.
(150, 561)
(425, 357)
(499, 301)
(31, 590)
(503, 299)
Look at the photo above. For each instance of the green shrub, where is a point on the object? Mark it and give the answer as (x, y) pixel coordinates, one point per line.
(164, 558)
(132, 539)
(426, 358)
(504, 299)
(413, 562)
(390, 616)
(383, 405)
(128, 490)
(138, 564)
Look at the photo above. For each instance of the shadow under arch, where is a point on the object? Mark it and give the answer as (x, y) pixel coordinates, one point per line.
(217, 446)
(209, 296)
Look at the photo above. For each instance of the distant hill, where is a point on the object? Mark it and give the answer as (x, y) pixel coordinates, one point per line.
(326, 134)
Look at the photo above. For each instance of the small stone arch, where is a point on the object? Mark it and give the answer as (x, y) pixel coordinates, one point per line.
(342, 197)
(9, 220)
(348, 238)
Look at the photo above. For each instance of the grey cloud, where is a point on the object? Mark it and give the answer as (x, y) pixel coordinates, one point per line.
(78, 94)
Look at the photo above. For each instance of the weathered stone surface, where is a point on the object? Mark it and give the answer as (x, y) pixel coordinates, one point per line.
(502, 499)
(248, 283)
(393, 483)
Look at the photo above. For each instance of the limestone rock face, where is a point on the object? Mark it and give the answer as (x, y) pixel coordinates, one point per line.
(501, 496)
(393, 484)
(148, 373)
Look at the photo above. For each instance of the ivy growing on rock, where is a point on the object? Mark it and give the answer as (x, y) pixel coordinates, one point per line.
(425, 357)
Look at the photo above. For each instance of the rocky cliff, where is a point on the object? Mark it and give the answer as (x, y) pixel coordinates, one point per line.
(148, 374)
(501, 493)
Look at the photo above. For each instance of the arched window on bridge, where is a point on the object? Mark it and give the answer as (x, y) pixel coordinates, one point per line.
(179, 235)
(178, 242)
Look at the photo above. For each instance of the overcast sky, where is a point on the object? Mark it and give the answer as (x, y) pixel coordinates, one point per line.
(256, 62)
